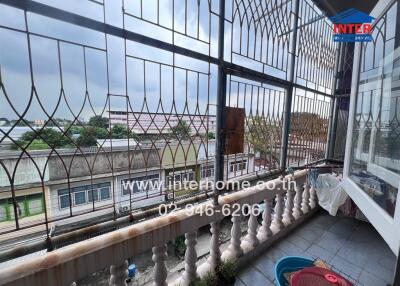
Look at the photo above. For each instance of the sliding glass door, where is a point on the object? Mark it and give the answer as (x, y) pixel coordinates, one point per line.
(372, 163)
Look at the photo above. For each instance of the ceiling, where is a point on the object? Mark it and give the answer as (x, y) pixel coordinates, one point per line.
(333, 7)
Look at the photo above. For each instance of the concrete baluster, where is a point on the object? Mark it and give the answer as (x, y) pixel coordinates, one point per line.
(305, 205)
(277, 223)
(297, 212)
(251, 241)
(234, 250)
(288, 217)
(119, 274)
(313, 197)
(160, 268)
(265, 230)
(190, 259)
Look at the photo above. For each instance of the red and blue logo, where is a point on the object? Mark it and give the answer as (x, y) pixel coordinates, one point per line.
(352, 26)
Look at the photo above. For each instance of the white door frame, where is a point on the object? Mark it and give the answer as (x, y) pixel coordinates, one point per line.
(387, 226)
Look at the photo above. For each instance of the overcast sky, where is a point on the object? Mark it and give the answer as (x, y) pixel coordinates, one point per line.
(149, 86)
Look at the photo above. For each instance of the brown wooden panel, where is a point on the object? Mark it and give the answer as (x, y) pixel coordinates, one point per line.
(234, 140)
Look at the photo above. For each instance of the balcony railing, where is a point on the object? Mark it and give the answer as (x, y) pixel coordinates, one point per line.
(286, 207)
(123, 96)
(98, 127)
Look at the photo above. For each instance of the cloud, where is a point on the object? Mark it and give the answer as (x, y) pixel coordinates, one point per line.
(81, 69)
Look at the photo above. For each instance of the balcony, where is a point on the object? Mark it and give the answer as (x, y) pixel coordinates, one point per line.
(119, 120)
(295, 226)
(341, 242)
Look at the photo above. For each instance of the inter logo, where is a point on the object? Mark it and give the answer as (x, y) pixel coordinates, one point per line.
(352, 26)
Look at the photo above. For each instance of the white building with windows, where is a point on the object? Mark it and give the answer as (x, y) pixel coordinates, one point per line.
(236, 165)
(139, 190)
(126, 191)
(161, 123)
(97, 192)
(80, 197)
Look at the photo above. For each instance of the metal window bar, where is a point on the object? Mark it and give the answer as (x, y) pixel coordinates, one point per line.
(266, 60)
(263, 105)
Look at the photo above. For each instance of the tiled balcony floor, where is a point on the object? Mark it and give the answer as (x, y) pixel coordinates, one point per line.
(349, 245)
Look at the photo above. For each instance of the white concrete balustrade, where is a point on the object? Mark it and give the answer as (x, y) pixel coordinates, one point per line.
(277, 223)
(264, 231)
(77, 261)
(297, 211)
(119, 274)
(190, 259)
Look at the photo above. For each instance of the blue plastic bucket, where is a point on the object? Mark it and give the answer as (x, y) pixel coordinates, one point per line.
(290, 264)
(132, 270)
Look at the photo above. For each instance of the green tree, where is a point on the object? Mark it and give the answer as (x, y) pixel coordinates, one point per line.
(262, 135)
(308, 126)
(98, 121)
(37, 144)
(87, 137)
(119, 131)
(100, 133)
(74, 130)
(43, 139)
(181, 130)
(21, 123)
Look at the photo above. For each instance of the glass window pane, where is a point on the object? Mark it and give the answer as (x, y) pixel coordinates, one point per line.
(80, 198)
(105, 193)
(93, 194)
(375, 157)
(64, 201)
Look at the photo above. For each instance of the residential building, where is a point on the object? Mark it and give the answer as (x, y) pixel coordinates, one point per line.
(161, 123)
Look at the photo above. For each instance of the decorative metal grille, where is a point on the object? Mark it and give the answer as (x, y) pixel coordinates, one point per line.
(110, 113)
(96, 96)
(308, 128)
(263, 105)
(260, 34)
(376, 131)
(315, 65)
(378, 102)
